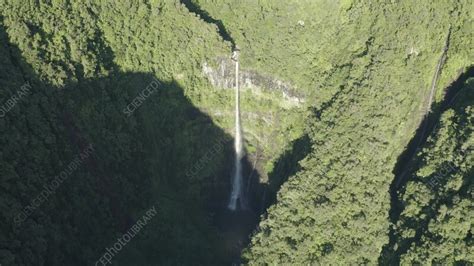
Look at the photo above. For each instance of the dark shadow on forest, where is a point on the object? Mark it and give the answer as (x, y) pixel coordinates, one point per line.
(286, 166)
(139, 160)
(405, 162)
(196, 9)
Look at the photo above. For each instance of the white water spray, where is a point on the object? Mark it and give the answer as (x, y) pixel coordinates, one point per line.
(237, 181)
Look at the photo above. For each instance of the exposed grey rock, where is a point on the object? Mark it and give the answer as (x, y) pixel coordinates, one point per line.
(224, 77)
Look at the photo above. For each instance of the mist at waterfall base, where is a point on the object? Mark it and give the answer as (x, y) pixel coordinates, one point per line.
(236, 195)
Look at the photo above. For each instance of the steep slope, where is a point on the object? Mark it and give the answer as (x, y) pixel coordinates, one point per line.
(361, 74)
(435, 212)
(152, 152)
(383, 57)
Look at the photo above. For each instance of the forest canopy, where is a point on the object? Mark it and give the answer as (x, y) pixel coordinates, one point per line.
(357, 117)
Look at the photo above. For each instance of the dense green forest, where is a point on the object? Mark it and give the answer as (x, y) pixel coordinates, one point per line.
(435, 216)
(111, 108)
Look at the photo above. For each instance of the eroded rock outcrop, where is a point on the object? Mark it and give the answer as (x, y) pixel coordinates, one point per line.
(223, 77)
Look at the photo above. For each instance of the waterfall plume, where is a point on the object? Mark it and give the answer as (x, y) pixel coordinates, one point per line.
(236, 195)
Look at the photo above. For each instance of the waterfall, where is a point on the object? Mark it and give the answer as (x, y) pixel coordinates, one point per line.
(237, 181)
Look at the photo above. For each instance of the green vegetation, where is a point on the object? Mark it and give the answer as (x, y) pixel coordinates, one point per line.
(436, 217)
(78, 96)
(372, 77)
(363, 68)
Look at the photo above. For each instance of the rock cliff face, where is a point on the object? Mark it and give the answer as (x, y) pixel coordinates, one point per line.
(223, 77)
